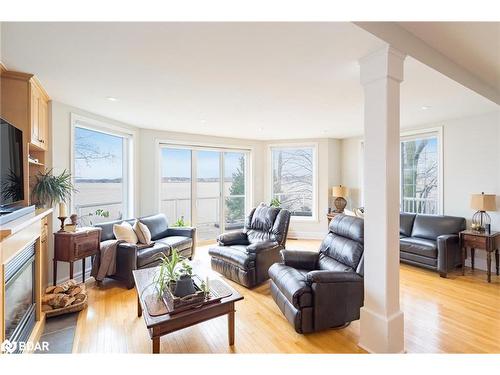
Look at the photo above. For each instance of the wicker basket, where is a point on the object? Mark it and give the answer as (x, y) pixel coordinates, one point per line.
(68, 309)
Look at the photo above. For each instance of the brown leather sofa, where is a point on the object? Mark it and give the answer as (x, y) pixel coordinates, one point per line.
(321, 290)
(430, 241)
(131, 257)
(245, 256)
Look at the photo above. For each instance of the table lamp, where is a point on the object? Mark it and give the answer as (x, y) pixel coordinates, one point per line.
(482, 203)
(339, 193)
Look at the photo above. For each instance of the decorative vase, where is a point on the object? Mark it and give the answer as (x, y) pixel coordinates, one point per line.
(184, 286)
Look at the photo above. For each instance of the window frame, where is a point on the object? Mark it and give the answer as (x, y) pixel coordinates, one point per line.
(78, 121)
(409, 135)
(315, 189)
(200, 146)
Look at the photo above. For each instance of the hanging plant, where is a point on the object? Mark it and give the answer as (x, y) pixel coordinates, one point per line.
(49, 189)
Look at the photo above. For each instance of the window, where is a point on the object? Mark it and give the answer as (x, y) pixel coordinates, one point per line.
(293, 179)
(420, 173)
(100, 174)
(206, 187)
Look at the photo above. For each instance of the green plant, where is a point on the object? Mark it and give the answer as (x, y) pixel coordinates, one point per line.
(180, 222)
(99, 212)
(275, 202)
(49, 189)
(12, 186)
(168, 271)
(186, 269)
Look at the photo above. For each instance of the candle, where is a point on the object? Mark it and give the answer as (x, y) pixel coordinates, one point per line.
(206, 283)
(62, 210)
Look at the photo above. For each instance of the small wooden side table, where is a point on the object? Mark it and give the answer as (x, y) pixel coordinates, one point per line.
(480, 240)
(73, 246)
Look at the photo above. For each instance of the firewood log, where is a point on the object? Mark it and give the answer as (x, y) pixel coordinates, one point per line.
(68, 301)
(80, 297)
(74, 291)
(50, 290)
(56, 302)
(46, 307)
(64, 286)
(47, 298)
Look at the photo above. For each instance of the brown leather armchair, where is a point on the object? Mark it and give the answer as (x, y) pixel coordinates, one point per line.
(325, 289)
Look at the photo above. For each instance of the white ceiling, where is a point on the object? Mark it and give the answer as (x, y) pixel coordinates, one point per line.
(473, 45)
(244, 80)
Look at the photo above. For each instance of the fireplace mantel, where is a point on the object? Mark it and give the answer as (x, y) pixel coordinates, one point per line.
(14, 237)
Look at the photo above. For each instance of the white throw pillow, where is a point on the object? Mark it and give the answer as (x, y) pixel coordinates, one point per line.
(142, 232)
(125, 232)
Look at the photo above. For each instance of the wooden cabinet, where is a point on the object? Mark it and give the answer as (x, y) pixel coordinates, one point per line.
(25, 104)
(39, 115)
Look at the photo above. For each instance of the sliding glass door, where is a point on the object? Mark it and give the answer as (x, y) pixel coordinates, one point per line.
(175, 185)
(207, 188)
(234, 190)
(208, 194)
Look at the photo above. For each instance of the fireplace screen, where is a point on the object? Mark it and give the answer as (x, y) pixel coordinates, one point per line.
(19, 295)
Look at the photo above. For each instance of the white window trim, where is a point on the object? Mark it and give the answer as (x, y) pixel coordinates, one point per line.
(128, 164)
(248, 151)
(419, 133)
(314, 145)
(438, 131)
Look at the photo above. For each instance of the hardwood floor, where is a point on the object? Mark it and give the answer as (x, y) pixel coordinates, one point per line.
(460, 314)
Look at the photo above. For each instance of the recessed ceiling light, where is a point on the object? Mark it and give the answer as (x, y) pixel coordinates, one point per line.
(111, 98)
(425, 108)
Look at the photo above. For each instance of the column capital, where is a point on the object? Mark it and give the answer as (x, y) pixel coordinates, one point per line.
(386, 62)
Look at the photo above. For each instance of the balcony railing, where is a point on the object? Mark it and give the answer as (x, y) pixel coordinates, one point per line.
(115, 210)
(420, 205)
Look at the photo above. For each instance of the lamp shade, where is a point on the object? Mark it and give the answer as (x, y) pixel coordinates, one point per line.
(483, 202)
(339, 191)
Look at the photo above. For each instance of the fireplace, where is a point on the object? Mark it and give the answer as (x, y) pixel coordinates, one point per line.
(20, 295)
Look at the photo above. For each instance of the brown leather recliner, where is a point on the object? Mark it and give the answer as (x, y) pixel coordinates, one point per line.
(245, 256)
(325, 289)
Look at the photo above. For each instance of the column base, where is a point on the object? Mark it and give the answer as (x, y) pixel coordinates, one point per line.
(381, 334)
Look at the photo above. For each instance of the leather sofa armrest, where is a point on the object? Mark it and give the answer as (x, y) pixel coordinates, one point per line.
(233, 238)
(126, 262)
(182, 231)
(257, 247)
(448, 253)
(306, 260)
(333, 277)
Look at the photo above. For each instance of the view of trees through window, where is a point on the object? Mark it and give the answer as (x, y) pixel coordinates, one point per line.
(293, 174)
(218, 185)
(98, 175)
(420, 175)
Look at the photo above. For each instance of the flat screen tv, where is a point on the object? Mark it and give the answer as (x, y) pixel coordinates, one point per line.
(11, 164)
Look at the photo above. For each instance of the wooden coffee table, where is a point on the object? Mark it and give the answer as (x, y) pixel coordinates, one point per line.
(161, 325)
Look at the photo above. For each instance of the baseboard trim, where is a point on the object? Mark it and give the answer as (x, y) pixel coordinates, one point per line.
(76, 276)
(306, 235)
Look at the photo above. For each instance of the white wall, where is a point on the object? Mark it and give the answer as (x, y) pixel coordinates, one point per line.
(471, 164)
(60, 117)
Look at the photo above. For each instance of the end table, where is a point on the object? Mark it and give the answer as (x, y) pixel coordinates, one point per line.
(73, 246)
(489, 242)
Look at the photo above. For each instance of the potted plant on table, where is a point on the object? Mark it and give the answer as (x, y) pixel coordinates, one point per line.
(49, 189)
(168, 274)
(184, 285)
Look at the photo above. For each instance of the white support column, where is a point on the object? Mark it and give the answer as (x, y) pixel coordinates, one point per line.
(382, 323)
